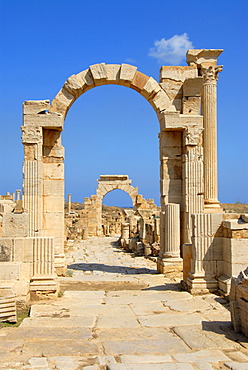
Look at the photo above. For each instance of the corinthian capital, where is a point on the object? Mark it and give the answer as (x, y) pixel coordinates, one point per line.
(210, 74)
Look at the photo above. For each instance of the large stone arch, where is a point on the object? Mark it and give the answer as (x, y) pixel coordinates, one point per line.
(104, 74)
(177, 100)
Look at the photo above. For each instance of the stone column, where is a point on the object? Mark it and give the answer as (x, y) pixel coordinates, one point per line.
(69, 203)
(18, 194)
(210, 76)
(172, 231)
(169, 237)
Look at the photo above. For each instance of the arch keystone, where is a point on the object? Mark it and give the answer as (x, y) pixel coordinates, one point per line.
(113, 73)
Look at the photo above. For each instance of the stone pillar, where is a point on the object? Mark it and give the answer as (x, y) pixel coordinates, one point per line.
(18, 194)
(69, 203)
(13, 197)
(210, 76)
(170, 236)
(172, 231)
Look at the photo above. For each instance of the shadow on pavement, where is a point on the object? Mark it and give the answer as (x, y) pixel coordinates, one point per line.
(112, 269)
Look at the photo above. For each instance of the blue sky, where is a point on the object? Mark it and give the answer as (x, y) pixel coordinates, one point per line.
(113, 129)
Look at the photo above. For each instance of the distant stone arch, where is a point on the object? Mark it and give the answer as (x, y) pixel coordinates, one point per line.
(107, 183)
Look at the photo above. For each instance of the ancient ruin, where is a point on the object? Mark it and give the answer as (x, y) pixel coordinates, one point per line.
(189, 227)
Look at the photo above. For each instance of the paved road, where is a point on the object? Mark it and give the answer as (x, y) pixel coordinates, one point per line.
(117, 313)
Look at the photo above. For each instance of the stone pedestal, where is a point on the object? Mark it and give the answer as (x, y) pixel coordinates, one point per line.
(204, 253)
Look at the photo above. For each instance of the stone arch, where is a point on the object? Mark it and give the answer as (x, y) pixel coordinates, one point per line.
(108, 183)
(116, 74)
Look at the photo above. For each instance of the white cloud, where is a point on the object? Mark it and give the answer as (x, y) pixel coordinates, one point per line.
(171, 51)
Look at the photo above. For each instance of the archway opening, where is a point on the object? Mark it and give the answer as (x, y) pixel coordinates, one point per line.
(116, 206)
(111, 129)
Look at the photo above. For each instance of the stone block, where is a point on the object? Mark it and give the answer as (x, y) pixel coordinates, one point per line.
(35, 106)
(98, 72)
(53, 203)
(151, 87)
(127, 72)
(86, 78)
(62, 102)
(178, 73)
(74, 86)
(46, 119)
(53, 220)
(14, 225)
(192, 105)
(112, 73)
(53, 187)
(10, 270)
(6, 249)
(172, 187)
(53, 171)
(23, 250)
(139, 80)
(206, 224)
(162, 102)
(193, 87)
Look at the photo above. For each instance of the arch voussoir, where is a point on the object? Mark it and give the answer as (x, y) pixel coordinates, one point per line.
(62, 102)
(99, 74)
(113, 73)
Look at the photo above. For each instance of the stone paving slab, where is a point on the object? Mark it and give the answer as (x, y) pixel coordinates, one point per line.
(214, 356)
(170, 319)
(236, 365)
(145, 359)
(197, 338)
(169, 344)
(116, 321)
(47, 322)
(142, 366)
(60, 348)
(149, 308)
(33, 333)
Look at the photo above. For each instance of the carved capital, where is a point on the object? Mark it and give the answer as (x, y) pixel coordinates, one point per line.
(192, 136)
(31, 134)
(210, 74)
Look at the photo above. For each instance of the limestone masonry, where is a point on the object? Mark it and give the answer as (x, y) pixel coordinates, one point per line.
(189, 228)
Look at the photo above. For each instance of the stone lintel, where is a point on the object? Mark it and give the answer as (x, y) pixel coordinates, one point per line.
(110, 178)
(177, 121)
(178, 73)
(202, 57)
(35, 106)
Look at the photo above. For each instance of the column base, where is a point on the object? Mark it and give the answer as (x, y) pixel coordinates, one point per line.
(59, 264)
(43, 287)
(165, 265)
(212, 206)
(200, 284)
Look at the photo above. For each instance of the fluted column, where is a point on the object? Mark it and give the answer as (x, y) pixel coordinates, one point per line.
(210, 76)
(172, 231)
